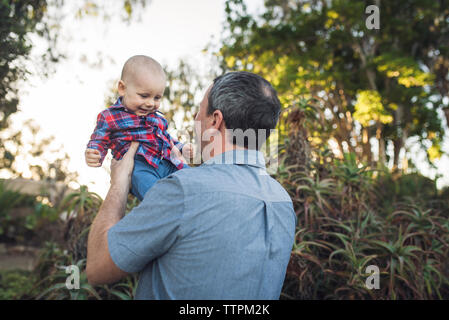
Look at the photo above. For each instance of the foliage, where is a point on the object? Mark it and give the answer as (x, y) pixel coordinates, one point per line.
(373, 87)
(8, 201)
(350, 217)
(53, 285)
(183, 85)
(18, 20)
(78, 209)
(48, 280)
(44, 161)
(129, 9)
(14, 284)
(369, 108)
(24, 218)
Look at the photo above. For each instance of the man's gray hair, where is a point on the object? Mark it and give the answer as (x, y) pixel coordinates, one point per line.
(247, 102)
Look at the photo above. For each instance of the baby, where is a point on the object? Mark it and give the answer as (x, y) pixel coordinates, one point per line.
(135, 117)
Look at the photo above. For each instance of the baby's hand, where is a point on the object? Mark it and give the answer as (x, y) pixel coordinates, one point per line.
(187, 151)
(92, 157)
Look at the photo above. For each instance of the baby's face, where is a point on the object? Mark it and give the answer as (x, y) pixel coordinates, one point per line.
(142, 93)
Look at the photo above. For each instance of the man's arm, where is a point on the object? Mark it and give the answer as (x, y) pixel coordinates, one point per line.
(100, 267)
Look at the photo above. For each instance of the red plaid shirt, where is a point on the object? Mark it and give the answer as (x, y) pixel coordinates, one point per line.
(117, 127)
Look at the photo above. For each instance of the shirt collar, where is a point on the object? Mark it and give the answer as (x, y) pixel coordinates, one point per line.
(118, 104)
(250, 157)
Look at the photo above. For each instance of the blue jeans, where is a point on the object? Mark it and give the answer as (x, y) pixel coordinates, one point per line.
(145, 176)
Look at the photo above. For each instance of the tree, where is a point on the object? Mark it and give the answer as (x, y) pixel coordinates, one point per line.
(185, 85)
(373, 88)
(17, 20)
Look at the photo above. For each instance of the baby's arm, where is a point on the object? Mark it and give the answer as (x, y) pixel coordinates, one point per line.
(99, 143)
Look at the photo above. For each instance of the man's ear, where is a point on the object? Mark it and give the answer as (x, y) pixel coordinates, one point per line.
(121, 88)
(217, 119)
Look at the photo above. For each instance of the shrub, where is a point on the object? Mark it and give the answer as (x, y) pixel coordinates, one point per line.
(350, 217)
(79, 209)
(14, 284)
(24, 218)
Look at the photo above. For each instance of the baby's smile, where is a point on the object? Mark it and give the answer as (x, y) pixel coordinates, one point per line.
(145, 111)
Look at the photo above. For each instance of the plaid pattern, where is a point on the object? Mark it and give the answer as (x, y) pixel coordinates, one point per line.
(117, 127)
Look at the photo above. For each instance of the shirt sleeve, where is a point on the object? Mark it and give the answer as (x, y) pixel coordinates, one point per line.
(150, 229)
(100, 138)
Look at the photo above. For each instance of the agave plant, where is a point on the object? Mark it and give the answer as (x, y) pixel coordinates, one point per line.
(81, 207)
(313, 195)
(80, 203)
(402, 260)
(57, 287)
(349, 217)
(52, 275)
(419, 219)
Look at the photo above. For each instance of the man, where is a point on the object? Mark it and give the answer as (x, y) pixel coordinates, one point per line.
(223, 230)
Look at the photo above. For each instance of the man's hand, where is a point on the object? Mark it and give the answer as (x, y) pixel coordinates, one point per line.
(121, 170)
(175, 153)
(92, 157)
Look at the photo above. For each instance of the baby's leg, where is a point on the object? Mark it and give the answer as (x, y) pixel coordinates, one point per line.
(143, 178)
(169, 168)
(166, 168)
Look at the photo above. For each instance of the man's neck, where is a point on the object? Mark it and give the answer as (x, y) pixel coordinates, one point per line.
(217, 149)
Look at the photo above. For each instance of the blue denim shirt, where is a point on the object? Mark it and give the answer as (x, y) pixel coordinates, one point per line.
(223, 230)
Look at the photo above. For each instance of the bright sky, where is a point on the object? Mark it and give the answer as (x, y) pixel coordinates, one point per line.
(66, 104)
